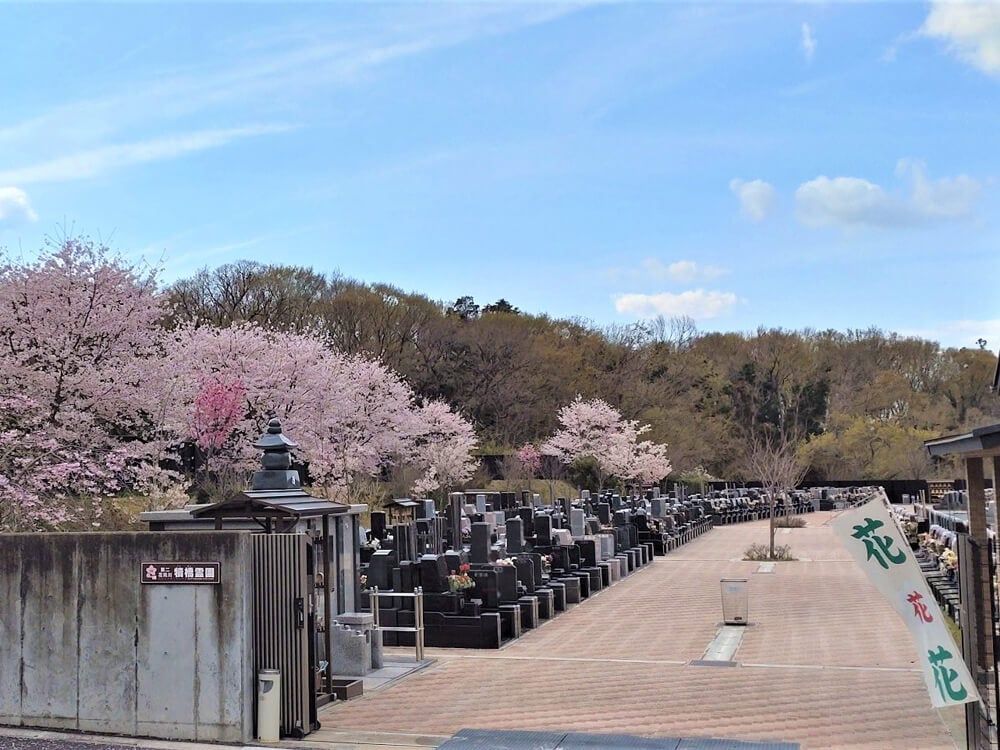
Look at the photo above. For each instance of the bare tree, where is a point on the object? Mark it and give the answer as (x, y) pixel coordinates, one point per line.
(774, 458)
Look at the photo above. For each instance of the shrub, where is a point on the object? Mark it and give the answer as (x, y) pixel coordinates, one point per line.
(789, 522)
(756, 552)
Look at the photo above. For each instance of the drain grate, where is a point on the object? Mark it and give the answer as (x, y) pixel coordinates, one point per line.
(512, 739)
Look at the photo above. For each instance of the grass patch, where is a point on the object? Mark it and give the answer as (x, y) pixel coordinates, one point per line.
(761, 552)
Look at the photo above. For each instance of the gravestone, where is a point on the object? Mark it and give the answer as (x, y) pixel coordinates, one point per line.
(515, 535)
(480, 503)
(577, 522)
(561, 538)
(585, 495)
(454, 560)
(403, 577)
(479, 549)
(454, 520)
(565, 505)
(486, 587)
(658, 507)
(434, 574)
(380, 569)
(604, 513)
(507, 583)
(426, 509)
(525, 568)
(378, 524)
(588, 552)
(536, 500)
(527, 516)
(543, 530)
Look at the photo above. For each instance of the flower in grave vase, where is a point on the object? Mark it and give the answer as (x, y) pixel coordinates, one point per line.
(461, 580)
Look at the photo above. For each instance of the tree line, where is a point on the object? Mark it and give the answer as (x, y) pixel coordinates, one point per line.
(107, 375)
(854, 404)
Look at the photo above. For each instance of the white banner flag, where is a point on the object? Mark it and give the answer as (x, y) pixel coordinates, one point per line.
(873, 539)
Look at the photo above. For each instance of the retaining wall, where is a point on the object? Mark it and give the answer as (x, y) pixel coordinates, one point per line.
(84, 645)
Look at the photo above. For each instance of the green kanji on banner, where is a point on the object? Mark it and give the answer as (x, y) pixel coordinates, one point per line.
(878, 547)
(944, 676)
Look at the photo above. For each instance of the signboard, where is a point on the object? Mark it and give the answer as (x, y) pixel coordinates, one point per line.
(871, 536)
(180, 572)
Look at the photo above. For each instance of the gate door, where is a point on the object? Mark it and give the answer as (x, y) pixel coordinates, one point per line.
(281, 634)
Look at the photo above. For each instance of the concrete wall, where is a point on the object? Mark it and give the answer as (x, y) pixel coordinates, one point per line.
(84, 645)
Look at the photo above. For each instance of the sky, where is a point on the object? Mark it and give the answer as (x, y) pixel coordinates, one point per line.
(801, 165)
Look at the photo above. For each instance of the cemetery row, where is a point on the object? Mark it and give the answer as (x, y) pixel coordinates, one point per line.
(497, 564)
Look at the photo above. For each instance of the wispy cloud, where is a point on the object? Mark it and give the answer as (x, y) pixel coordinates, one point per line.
(970, 30)
(92, 163)
(266, 72)
(656, 270)
(856, 202)
(697, 304)
(808, 42)
(757, 198)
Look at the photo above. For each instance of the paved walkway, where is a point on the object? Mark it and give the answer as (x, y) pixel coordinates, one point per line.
(825, 662)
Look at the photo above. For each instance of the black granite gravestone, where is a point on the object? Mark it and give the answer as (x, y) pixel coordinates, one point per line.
(434, 574)
(479, 549)
(380, 569)
(543, 530)
(515, 536)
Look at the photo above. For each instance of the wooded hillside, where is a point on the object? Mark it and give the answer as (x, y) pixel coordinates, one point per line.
(858, 404)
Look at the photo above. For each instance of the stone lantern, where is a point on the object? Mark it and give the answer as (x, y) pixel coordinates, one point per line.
(277, 472)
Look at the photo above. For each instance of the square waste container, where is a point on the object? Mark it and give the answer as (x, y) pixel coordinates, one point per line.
(735, 601)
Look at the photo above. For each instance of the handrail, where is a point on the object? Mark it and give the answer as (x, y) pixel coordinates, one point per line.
(418, 615)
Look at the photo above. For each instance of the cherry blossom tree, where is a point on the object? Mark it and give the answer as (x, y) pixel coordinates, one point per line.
(530, 458)
(76, 326)
(351, 416)
(442, 447)
(597, 431)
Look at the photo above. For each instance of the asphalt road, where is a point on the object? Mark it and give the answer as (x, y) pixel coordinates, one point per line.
(25, 743)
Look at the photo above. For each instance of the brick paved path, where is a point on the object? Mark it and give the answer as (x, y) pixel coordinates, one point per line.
(825, 662)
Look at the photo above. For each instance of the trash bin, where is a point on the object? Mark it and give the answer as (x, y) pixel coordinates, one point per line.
(268, 705)
(735, 601)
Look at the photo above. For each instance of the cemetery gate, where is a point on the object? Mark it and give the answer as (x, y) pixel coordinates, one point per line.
(284, 624)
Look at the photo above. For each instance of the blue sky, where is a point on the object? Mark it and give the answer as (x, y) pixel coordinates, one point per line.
(821, 165)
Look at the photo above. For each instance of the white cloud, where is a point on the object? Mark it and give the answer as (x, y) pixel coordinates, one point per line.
(697, 304)
(946, 198)
(684, 271)
(96, 161)
(15, 207)
(855, 202)
(757, 198)
(808, 42)
(971, 31)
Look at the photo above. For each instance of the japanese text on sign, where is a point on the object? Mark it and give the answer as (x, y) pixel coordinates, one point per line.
(180, 572)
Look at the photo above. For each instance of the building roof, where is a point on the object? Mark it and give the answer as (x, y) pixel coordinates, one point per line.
(402, 502)
(288, 504)
(983, 441)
